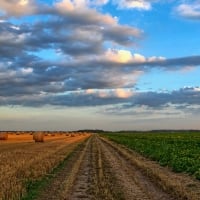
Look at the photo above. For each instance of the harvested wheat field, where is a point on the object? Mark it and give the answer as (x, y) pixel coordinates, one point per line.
(88, 167)
(28, 137)
(23, 161)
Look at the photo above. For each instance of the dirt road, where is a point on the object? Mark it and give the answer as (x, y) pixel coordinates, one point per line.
(102, 170)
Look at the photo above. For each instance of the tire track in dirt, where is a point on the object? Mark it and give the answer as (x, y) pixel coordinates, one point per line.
(85, 176)
(135, 185)
(103, 170)
(106, 174)
(178, 185)
(61, 184)
(83, 180)
(92, 181)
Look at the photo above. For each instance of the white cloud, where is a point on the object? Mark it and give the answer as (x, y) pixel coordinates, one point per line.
(138, 58)
(11, 38)
(98, 2)
(26, 71)
(189, 10)
(23, 2)
(65, 5)
(197, 89)
(155, 59)
(123, 4)
(71, 5)
(74, 4)
(80, 8)
(133, 4)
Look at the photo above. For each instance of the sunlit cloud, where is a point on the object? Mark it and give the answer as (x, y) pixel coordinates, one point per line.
(123, 93)
(65, 6)
(126, 56)
(121, 56)
(18, 7)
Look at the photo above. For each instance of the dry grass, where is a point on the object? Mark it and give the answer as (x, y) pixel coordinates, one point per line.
(18, 138)
(25, 160)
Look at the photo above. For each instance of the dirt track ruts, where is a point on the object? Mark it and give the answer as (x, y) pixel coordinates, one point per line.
(101, 171)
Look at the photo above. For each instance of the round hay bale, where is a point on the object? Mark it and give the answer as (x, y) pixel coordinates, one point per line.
(38, 137)
(72, 135)
(3, 136)
(34, 136)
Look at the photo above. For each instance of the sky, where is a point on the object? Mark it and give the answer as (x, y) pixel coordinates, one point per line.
(104, 64)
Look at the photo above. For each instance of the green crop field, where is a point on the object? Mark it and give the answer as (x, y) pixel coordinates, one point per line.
(179, 150)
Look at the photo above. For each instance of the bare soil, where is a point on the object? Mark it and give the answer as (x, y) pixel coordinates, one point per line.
(103, 170)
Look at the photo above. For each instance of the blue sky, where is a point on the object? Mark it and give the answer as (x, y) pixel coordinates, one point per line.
(104, 64)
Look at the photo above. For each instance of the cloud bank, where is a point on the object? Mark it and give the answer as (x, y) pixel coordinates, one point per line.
(73, 55)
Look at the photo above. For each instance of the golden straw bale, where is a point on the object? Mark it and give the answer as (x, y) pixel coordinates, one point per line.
(38, 137)
(34, 136)
(3, 136)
